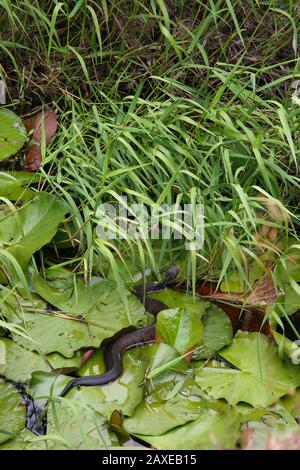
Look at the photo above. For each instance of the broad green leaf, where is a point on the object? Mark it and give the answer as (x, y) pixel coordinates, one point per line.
(13, 189)
(125, 393)
(217, 332)
(263, 376)
(12, 411)
(212, 430)
(291, 302)
(177, 299)
(20, 363)
(289, 265)
(164, 361)
(78, 427)
(26, 440)
(179, 328)
(155, 416)
(12, 133)
(47, 384)
(234, 282)
(24, 231)
(92, 313)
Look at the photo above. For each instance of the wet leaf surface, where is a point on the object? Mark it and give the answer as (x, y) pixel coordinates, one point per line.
(180, 328)
(263, 376)
(212, 430)
(12, 411)
(13, 134)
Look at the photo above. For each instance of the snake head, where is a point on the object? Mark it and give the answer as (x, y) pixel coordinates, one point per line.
(172, 273)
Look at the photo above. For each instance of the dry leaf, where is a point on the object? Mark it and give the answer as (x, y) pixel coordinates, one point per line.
(263, 293)
(46, 120)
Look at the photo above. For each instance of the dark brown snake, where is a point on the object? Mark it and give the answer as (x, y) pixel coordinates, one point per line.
(114, 351)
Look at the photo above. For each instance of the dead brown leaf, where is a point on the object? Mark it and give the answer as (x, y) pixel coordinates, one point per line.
(42, 120)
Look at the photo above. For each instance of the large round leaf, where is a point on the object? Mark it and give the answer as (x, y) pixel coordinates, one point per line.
(12, 411)
(212, 430)
(177, 299)
(26, 230)
(12, 133)
(180, 328)
(73, 425)
(92, 313)
(155, 416)
(263, 376)
(19, 363)
(217, 332)
(124, 394)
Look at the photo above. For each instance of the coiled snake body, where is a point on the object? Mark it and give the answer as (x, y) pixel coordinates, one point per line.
(114, 351)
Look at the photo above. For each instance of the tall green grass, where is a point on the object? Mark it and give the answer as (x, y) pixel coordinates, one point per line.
(164, 102)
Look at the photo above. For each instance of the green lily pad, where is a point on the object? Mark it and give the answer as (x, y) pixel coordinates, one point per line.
(13, 134)
(234, 283)
(19, 363)
(24, 231)
(73, 425)
(291, 302)
(212, 430)
(263, 376)
(177, 299)
(125, 393)
(179, 328)
(12, 411)
(289, 265)
(164, 362)
(155, 416)
(25, 440)
(13, 189)
(46, 384)
(217, 332)
(94, 312)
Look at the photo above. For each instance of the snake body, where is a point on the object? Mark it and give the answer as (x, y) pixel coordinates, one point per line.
(114, 351)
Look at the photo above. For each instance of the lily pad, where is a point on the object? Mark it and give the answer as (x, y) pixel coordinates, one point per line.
(13, 134)
(25, 440)
(164, 362)
(12, 411)
(179, 328)
(217, 332)
(15, 188)
(291, 301)
(289, 265)
(24, 231)
(212, 430)
(263, 376)
(125, 393)
(73, 425)
(92, 313)
(154, 416)
(20, 363)
(177, 299)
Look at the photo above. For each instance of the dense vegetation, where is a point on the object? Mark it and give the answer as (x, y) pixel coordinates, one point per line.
(163, 102)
